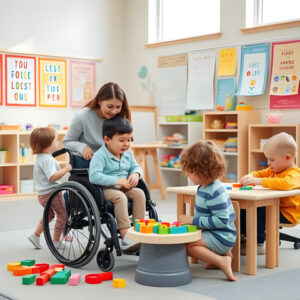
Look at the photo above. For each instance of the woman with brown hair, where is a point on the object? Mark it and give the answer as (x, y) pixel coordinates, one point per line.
(84, 136)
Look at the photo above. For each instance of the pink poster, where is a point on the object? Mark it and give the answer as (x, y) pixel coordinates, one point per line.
(1, 81)
(287, 58)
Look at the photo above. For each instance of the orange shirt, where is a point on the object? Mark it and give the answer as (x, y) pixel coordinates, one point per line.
(286, 180)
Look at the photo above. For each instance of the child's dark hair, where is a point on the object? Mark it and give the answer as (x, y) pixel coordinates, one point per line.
(116, 125)
(203, 158)
(41, 138)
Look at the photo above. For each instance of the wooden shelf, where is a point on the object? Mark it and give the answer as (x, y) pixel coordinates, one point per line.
(170, 169)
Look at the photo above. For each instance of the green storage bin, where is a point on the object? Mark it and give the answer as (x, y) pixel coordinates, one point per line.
(191, 118)
(172, 118)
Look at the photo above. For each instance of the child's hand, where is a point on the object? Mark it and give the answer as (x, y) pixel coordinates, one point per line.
(245, 178)
(123, 182)
(133, 179)
(87, 153)
(253, 180)
(184, 219)
(68, 168)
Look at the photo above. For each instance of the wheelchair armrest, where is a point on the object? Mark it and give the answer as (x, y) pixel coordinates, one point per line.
(80, 172)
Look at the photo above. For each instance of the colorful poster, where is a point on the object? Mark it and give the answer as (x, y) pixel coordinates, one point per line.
(285, 68)
(82, 83)
(53, 82)
(20, 80)
(227, 62)
(171, 84)
(1, 81)
(254, 70)
(200, 91)
(226, 93)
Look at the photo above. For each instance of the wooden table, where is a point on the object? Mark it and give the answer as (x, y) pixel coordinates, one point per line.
(163, 261)
(140, 152)
(249, 200)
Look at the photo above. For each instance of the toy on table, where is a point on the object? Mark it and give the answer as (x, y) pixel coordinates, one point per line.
(243, 106)
(170, 161)
(151, 226)
(217, 124)
(176, 139)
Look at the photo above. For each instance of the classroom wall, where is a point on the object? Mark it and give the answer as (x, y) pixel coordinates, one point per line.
(79, 28)
(232, 20)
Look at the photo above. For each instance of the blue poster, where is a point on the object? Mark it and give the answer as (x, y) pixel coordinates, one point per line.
(254, 70)
(226, 93)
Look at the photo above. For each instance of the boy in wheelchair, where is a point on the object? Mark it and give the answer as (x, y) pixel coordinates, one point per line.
(115, 169)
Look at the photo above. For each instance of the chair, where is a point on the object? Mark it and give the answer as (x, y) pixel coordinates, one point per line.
(88, 216)
(289, 238)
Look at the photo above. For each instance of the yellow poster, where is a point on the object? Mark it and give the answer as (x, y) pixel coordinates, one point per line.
(227, 62)
(53, 82)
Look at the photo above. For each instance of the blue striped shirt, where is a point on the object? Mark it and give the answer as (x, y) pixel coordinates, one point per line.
(214, 212)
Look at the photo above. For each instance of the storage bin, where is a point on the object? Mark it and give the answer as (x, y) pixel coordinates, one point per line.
(172, 118)
(3, 156)
(6, 189)
(191, 118)
(26, 186)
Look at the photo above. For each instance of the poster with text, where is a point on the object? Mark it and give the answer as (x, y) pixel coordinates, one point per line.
(227, 62)
(53, 82)
(200, 91)
(285, 68)
(286, 101)
(226, 93)
(82, 83)
(20, 80)
(254, 70)
(1, 81)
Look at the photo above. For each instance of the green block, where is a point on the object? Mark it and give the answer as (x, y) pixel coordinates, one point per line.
(191, 228)
(246, 188)
(28, 279)
(163, 230)
(60, 277)
(28, 262)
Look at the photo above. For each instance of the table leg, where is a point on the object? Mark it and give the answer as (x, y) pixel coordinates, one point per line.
(251, 245)
(271, 237)
(277, 232)
(158, 174)
(180, 205)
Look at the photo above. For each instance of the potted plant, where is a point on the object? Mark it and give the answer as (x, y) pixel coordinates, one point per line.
(3, 155)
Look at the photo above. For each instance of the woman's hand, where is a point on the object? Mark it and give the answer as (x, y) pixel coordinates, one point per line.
(87, 153)
(133, 179)
(184, 219)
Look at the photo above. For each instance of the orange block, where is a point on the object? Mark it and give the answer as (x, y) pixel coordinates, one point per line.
(21, 271)
(237, 185)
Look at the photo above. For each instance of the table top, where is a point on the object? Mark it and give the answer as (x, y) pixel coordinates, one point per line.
(148, 145)
(257, 193)
(163, 239)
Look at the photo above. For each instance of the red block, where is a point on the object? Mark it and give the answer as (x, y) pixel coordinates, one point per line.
(93, 278)
(58, 266)
(35, 269)
(42, 279)
(50, 272)
(238, 185)
(106, 276)
(43, 267)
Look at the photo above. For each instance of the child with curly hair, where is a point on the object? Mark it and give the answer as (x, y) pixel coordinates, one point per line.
(204, 164)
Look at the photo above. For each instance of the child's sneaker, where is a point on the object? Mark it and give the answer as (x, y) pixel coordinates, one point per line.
(260, 249)
(128, 245)
(35, 240)
(61, 245)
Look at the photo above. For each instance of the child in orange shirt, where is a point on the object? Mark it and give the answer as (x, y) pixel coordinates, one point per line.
(282, 174)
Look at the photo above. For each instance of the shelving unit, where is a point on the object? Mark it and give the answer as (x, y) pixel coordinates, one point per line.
(12, 171)
(237, 162)
(265, 131)
(193, 132)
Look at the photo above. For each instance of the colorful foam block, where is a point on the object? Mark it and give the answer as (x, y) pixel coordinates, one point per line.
(35, 269)
(119, 283)
(237, 185)
(75, 279)
(42, 279)
(162, 230)
(60, 277)
(174, 230)
(191, 228)
(182, 229)
(106, 276)
(93, 278)
(21, 271)
(229, 187)
(246, 188)
(13, 265)
(43, 267)
(28, 262)
(60, 266)
(28, 279)
(50, 272)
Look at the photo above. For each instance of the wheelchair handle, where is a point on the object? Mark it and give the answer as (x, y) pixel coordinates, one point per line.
(62, 151)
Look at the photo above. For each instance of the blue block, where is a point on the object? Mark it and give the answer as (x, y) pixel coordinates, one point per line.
(174, 230)
(182, 229)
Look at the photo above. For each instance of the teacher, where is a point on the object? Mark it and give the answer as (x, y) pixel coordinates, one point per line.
(84, 136)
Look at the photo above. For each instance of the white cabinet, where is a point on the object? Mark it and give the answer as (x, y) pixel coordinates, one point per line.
(193, 132)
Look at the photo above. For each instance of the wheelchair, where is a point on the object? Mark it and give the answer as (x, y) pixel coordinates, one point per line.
(88, 216)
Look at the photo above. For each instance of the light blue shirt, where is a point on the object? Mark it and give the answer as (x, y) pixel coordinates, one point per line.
(45, 165)
(105, 169)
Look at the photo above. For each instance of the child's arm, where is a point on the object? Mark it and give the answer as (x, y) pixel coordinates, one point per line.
(59, 174)
(255, 177)
(135, 172)
(289, 182)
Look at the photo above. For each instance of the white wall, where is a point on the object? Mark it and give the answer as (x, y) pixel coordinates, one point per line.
(232, 20)
(80, 28)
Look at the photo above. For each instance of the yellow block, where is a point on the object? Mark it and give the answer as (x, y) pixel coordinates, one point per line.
(119, 283)
(13, 265)
(59, 269)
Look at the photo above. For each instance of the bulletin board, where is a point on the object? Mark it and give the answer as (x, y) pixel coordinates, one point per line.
(1, 81)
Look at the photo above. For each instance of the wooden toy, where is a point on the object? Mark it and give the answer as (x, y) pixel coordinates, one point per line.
(43, 267)
(75, 279)
(93, 278)
(42, 279)
(106, 276)
(60, 277)
(21, 271)
(13, 265)
(28, 262)
(237, 185)
(28, 279)
(119, 283)
(246, 188)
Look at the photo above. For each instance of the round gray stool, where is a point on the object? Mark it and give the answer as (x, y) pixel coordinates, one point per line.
(163, 260)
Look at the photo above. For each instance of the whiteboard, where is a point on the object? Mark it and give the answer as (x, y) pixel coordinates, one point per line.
(143, 127)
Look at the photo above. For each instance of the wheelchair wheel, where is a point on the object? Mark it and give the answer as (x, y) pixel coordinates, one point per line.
(105, 261)
(82, 224)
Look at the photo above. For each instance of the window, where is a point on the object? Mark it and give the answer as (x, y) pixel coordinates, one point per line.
(178, 19)
(262, 12)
